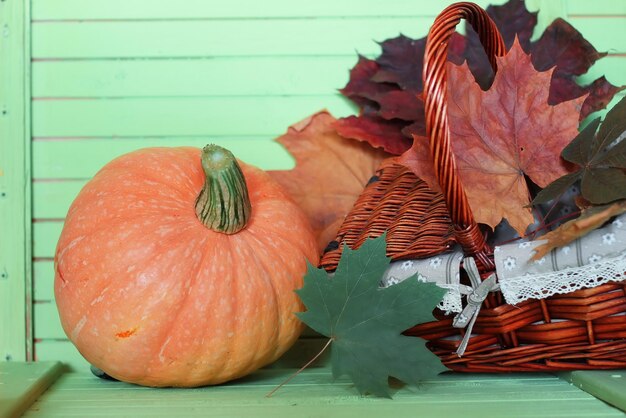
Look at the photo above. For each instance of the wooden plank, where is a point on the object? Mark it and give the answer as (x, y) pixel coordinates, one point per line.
(232, 76)
(179, 117)
(608, 385)
(22, 383)
(63, 351)
(58, 159)
(47, 322)
(219, 77)
(45, 237)
(15, 169)
(316, 394)
(200, 9)
(52, 199)
(43, 281)
(206, 38)
(596, 7)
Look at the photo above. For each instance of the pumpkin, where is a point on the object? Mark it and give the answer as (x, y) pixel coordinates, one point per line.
(177, 267)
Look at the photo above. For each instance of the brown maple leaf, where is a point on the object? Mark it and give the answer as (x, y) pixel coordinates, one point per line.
(330, 172)
(589, 220)
(500, 136)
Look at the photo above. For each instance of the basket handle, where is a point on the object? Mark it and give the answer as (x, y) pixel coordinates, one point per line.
(435, 102)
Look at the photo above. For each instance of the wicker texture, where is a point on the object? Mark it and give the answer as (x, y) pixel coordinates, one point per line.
(394, 199)
(585, 329)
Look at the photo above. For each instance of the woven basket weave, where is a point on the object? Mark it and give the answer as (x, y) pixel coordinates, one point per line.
(585, 329)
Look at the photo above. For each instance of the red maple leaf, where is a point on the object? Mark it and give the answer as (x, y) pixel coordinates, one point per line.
(377, 85)
(502, 135)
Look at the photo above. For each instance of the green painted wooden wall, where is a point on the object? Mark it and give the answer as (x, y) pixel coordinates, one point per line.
(110, 76)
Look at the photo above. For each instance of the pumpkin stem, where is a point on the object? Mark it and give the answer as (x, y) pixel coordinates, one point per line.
(223, 204)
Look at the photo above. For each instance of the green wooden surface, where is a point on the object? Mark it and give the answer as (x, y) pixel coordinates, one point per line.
(15, 181)
(228, 76)
(200, 9)
(22, 383)
(58, 158)
(236, 116)
(608, 385)
(314, 394)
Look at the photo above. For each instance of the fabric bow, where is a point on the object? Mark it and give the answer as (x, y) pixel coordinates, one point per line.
(475, 298)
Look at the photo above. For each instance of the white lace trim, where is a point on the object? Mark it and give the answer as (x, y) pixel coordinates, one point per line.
(541, 286)
(451, 301)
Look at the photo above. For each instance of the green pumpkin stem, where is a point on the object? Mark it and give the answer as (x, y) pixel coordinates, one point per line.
(223, 204)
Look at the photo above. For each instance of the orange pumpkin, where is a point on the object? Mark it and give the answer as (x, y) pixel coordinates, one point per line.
(170, 271)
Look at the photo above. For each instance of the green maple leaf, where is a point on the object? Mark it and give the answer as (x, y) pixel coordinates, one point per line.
(365, 321)
(601, 157)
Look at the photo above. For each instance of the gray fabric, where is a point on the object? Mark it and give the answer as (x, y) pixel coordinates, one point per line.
(443, 269)
(514, 260)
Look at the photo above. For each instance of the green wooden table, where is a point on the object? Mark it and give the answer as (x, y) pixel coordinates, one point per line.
(312, 394)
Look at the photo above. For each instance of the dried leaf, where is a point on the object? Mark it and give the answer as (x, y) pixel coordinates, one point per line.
(563, 47)
(502, 135)
(330, 173)
(401, 62)
(376, 131)
(588, 221)
(401, 104)
(599, 93)
(513, 20)
(601, 158)
(575, 56)
(374, 85)
(361, 89)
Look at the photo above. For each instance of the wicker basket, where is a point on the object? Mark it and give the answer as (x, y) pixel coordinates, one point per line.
(585, 329)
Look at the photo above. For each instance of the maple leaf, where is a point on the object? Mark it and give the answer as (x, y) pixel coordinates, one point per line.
(501, 136)
(513, 21)
(361, 89)
(365, 322)
(375, 131)
(601, 158)
(329, 175)
(401, 62)
(589, 220)
(575, 56)
(399, 69)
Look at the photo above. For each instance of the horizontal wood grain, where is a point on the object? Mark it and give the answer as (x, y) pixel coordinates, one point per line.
(595, 8)
(22, 383)
(45, 237)
(178, 117)
(315, 393)
(61, 350)
(54, 198)
(608, 385)
(43, 281)
(57, 159)
(218, 38)
(236, 76)
(47, 322)
(201, 9)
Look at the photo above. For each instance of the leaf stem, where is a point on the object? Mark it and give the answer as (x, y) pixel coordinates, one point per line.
(330, 340)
